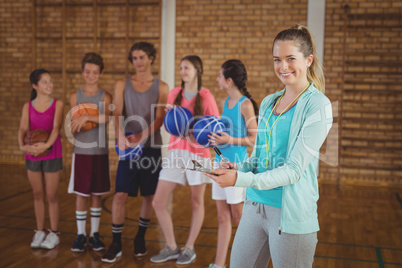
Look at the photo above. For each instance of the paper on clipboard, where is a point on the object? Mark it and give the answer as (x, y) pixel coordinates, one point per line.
(200, 168)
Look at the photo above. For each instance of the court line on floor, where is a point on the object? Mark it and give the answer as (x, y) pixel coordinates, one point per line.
(15, 195)
(378, 249)
(357, 245)
(156, 226)
(379, 257)
(398, 197)
(153, 225)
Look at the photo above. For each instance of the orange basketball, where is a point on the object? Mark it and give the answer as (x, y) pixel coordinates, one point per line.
(84, 109)
(35, 136)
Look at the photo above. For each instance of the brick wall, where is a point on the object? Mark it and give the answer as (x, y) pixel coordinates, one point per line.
(221, 30)
(117, 27)
(218, 30)
(368, 89)
(15, 66)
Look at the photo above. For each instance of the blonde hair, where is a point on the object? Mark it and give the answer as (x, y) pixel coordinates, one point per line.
(301, 36)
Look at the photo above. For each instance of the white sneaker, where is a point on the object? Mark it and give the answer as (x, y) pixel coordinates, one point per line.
(51, 241)
(38, 239)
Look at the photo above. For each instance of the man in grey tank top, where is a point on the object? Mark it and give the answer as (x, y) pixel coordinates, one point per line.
(140, 101)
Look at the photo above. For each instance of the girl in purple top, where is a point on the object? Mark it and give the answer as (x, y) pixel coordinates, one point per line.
(46, 113)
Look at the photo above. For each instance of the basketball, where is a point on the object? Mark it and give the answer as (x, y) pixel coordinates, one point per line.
(131, 153)
(204, 126)
(35, 136)
(178, 121)
(84, 109)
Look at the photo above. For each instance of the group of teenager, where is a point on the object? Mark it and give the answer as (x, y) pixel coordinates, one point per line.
(271, 195)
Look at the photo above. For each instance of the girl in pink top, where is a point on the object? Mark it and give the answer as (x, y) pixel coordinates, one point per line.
(200, 102)
(46, 113)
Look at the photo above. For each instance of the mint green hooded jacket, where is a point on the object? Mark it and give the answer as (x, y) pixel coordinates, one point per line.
(311, 123)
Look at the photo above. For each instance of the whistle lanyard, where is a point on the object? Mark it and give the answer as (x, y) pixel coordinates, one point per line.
(269, 117)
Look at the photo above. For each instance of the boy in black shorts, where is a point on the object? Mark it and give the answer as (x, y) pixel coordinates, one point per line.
(144, 98)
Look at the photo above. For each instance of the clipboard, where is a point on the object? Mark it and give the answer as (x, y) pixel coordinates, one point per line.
(198, 167)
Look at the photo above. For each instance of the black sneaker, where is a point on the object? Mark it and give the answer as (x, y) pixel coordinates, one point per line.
(79, 243)
(113, 252)
(96, 243)
(139, 247)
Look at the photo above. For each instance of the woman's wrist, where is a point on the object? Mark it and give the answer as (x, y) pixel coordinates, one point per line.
(48, 146)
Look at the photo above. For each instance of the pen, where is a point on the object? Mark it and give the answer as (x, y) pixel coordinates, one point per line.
(221, 155)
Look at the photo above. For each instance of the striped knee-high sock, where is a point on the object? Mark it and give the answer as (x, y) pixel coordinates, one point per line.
(117, 229)
(81, 217)
(95, 220)
(143, 226)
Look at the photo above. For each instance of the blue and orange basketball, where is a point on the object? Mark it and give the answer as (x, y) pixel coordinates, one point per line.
(178, 121)
(131, 153)
(204, 126)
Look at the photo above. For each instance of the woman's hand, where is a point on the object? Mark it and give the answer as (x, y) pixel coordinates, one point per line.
(28, 149)
(225, 177)
(227, 165)
(190, 137)
(39, 148)
(219, 138)
(168, 107)
(78, 122)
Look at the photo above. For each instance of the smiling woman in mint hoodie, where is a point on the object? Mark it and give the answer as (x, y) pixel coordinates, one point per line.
(280, 212)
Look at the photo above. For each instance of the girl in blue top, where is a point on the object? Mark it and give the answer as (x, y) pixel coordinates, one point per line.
(280, 214)
(239, 117)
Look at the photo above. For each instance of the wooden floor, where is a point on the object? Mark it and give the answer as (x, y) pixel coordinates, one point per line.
(360, 227)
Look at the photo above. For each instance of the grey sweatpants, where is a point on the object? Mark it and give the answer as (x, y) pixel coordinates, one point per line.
(257, 240)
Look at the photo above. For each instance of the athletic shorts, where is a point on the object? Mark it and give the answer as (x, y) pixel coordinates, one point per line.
(174, 164)
(141, 173)
(89, 175)
(49, 166)
(232, 195)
